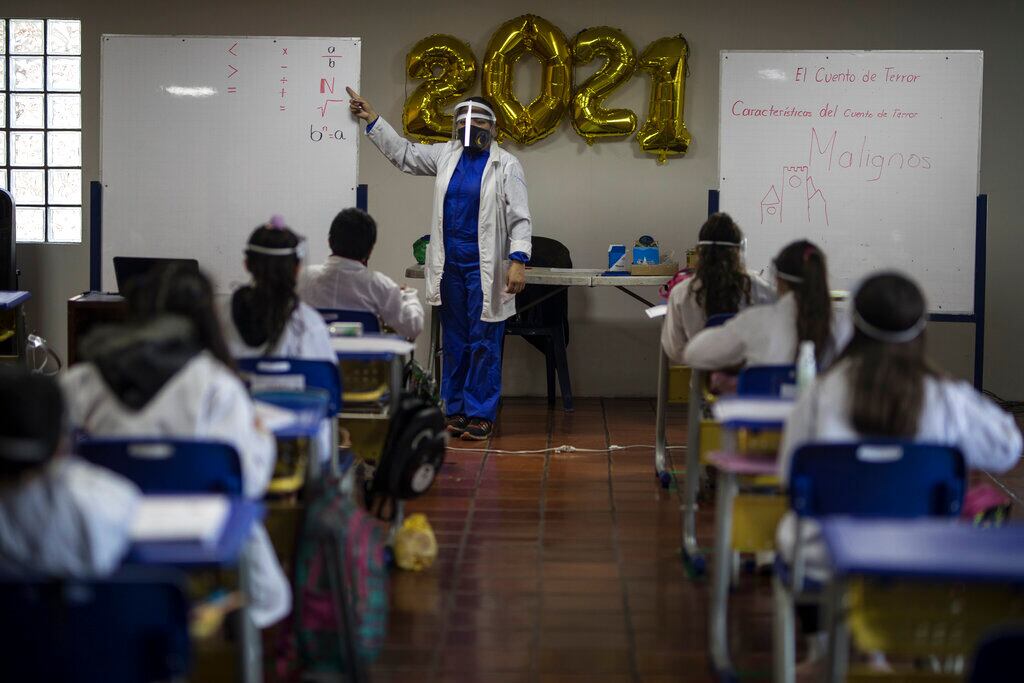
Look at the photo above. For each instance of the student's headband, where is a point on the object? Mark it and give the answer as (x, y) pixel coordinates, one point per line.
(716, 243)
(877, 333)
(276, 222)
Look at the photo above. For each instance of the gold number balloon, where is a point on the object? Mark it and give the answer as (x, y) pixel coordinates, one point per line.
(447, 67)
(590, 119)
(523, 35)
(664, 132)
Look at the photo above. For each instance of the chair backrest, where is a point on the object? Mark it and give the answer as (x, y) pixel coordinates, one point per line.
(554, 310)
(718, 319)
(130, 627)
(877, 479)
(767, 380)
(293, 374)
(158, 465)
(371, 324)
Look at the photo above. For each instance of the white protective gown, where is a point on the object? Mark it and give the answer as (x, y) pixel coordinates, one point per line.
(346, 284)
(684, 317)
(305, 336)
(759, 335)
(953, 414)
(70, 518)
(203, 400)
(505, 225)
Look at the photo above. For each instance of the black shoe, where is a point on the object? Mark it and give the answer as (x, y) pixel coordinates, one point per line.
(478, 429)
(456, 425)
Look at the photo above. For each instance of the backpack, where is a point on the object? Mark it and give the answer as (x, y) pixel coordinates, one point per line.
(413, 455)
(339, 619)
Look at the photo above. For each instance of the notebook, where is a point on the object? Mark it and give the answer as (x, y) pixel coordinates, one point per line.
(198, 518)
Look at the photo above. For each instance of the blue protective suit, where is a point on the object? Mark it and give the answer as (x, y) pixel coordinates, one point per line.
(471, 382)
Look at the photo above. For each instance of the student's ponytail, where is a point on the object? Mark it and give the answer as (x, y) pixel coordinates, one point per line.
(262, 311)
(801, 265)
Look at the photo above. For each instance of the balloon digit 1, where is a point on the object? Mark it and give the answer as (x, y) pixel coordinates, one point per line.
(447, 67)
(589, 118)
(513, 39)
(664, 132)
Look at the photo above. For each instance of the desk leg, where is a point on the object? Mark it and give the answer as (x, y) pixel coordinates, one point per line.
(251, 645)
(718, 620)
(838, 633)
(397, 375)
(435, 343)
(691, 551)
(636, 296)
(661, 417)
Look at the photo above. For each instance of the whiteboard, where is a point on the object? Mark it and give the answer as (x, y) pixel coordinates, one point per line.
(874, 156)
(204, 138)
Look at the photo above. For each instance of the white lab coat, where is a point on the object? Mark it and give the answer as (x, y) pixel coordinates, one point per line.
(343, 283)
(759, 335)
(684, 317)
(952, 414)
(69, 518)
(505, 225)
(305, 336)
(204, 400)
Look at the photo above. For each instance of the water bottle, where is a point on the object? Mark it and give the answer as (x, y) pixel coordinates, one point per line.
(806, 366)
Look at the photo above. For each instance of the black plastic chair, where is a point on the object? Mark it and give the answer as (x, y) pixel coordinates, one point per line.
(545, 325)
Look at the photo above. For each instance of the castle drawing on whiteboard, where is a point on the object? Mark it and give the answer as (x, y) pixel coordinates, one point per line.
(800, 197)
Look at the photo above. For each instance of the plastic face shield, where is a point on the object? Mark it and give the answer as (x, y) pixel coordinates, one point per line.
(476, 114)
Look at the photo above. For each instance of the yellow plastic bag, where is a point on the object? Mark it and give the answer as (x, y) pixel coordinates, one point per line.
(415, 545)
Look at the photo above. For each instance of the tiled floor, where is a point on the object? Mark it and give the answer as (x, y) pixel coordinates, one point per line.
(565, 567)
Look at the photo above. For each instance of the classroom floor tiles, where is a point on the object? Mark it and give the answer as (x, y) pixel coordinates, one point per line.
(564, 567)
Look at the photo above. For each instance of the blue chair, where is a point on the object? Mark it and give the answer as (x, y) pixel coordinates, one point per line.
(881, 479)
(158, 465)
(371, 324)
(293, 374)
(127, 628)
(767, 380)
(997, 656)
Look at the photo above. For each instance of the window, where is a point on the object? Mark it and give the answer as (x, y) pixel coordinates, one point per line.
(41, 126)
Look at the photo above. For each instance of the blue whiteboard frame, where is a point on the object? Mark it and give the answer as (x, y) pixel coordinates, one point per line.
(96, 229)
(980, 263)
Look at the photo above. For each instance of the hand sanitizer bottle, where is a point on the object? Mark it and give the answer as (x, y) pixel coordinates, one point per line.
(806, 366)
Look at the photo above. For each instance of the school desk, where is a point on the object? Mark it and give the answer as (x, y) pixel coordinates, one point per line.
(229, 550)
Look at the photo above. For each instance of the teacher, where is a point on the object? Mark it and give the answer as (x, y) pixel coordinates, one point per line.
(479, 245)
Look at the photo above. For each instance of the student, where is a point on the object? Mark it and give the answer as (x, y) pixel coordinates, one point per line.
(771, 335)
(720, 285)
(345, 282)
(266, 317)
(168, 373)
(883, 386)
(59, 515)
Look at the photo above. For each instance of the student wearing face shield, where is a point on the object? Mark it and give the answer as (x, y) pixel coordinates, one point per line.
(479, 246)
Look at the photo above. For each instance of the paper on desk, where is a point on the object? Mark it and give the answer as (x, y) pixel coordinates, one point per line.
(657, 311)
(274, 418)
(384, 343)
(181, 518)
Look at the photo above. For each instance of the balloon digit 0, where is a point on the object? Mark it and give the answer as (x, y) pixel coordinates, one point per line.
(664, 132)
(589, 118)
(512, 40)
(447, 67)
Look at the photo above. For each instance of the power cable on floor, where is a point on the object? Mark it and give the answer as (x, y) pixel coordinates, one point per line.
(564, 448)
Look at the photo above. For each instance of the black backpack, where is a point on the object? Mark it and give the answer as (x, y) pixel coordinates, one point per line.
(413, 455)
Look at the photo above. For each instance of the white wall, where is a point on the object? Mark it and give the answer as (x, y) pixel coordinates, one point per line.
(590, 197)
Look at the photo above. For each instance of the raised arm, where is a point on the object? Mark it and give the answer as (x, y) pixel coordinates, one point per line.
(406, 156)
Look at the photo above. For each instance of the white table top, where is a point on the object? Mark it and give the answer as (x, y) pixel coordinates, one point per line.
(369, 344)
(573, 277)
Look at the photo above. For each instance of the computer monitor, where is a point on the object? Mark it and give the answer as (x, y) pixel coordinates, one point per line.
(127, 268)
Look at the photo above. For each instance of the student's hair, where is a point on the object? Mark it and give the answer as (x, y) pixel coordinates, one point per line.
(801, 265)
(31, 421)
(262, 311)
(886, 357)
(353, 234)
(720, 284)
(177, 290)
